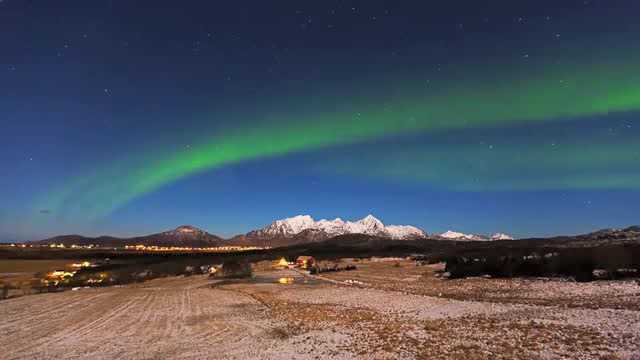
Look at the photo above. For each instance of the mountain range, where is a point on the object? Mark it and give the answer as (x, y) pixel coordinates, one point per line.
(290, 231)
(303, 228)
(185, 235)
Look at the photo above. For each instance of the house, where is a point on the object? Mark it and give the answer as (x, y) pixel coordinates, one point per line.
(61, 274)
(305, 262)
(84, 264)
(281, 264)
(213, 269)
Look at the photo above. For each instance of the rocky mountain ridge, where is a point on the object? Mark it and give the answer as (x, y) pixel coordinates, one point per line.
(185, 235)
(303, 230)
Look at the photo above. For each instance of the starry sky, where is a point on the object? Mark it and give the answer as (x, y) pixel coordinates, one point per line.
(127, 118)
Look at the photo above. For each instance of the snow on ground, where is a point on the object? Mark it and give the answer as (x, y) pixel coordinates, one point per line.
(414, 306)
(197, 318)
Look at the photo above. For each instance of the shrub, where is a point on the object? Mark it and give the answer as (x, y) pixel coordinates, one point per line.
(5, 291)
(579, 263)
(236, 269)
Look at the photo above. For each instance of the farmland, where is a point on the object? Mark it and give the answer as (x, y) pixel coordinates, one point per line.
(393, 309)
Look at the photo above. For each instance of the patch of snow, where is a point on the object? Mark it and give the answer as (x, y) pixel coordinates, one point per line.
(404, 231)
(453, 235)
(501, 236)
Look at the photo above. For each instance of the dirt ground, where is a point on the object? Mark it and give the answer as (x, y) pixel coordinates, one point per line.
(388, 312)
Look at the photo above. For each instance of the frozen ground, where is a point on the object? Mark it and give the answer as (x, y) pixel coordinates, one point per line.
(393, 315)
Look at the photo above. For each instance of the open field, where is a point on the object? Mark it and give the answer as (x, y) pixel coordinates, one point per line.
(398, 312)
(405, 277)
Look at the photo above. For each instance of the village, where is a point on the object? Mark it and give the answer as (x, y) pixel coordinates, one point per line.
(105, 272)
(140, 247)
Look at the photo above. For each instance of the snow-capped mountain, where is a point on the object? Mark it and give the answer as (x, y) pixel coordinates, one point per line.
(185, 231)
(306, 226)
(288, 227)
(454, 235)
(501, 236)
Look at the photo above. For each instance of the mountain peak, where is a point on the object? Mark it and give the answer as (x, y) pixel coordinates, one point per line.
(454, 235)
(301, 217)
(501, 236)
(187, 229)
(370, 225)
(370, 219)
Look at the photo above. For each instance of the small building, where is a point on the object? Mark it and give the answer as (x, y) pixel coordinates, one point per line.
(281, 264)
(305, 262)
(80, 265)
(213, 269)
(60, 274)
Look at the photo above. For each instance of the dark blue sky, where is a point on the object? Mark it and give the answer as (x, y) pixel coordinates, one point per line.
(98, 99)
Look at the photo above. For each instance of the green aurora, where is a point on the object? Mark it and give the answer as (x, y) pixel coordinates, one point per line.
(502, 97)
(500, 166)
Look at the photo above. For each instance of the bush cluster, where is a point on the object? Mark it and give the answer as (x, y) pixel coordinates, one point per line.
(334, 269)
(579, 263)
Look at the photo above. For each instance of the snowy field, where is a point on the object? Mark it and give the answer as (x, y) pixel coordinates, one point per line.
(390, 313)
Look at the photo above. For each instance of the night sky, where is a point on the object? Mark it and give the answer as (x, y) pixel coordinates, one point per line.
(132, 117)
